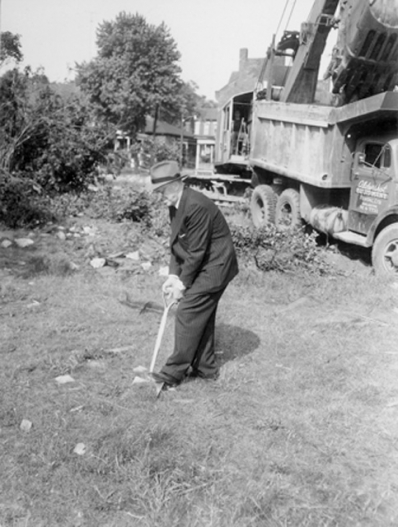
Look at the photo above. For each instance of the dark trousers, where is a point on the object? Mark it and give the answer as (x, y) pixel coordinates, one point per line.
(194, 336)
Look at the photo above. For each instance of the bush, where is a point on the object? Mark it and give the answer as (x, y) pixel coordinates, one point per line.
(53, 141)
(22, 203)
(277, 250)
(108, 203)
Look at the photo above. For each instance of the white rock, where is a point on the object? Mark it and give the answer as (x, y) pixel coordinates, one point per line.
(64, 379)
(35, 303)
(146, 266)
(80, 449)
(97, 263)
(89, 230)
(24, 242)
(61, 235)
(133, 256)
(6, 243)
(25, 425)
(140, 380)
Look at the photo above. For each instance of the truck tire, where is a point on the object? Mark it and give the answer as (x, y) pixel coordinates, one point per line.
(262, 205)
(287, 215)
(385, 252)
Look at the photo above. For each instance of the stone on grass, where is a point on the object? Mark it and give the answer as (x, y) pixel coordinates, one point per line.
(133, 256)
(140, 380)
(90, 231)
(64, 379)
(97, 263)
(80, 449)
(25, 425)
(146, 266)
(24, 242)
(6, 243)
(35, 303)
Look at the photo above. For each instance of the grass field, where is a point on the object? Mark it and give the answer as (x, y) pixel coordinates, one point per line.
(301, 429)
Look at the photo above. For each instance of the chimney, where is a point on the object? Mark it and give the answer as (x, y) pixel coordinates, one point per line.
(243, 56)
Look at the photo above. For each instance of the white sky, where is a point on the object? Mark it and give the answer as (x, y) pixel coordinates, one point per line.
(55, 34)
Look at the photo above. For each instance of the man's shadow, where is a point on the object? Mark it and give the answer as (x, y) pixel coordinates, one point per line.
(234, 342)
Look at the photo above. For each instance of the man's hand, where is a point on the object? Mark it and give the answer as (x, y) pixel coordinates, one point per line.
(173, 287)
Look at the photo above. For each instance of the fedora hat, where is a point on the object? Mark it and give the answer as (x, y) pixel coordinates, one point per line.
(165, 172)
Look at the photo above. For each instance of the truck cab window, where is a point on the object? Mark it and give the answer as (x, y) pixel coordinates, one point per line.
(373, 154)
(387, 157)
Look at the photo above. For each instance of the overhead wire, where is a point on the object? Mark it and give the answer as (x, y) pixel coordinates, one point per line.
(293, 5)
(291, 12)
(282, 16)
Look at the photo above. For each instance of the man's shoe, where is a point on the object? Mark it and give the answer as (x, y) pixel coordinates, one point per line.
(162, 378)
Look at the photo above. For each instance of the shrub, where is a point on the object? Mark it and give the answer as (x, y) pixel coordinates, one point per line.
(53, 141)
(277, 250)
(22, 203)
(108, 203)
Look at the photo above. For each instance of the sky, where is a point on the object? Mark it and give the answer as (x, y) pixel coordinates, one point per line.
(55, 34)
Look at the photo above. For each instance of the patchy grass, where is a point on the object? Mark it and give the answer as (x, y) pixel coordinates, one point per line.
(300, 429)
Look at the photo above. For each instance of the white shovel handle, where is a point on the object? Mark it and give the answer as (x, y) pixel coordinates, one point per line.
(160, 332)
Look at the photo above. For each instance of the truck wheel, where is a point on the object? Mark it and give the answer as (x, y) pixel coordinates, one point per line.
(287, 216)
(385, 252)
(262, 205)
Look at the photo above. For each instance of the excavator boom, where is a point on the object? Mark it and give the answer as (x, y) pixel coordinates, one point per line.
(300, 86)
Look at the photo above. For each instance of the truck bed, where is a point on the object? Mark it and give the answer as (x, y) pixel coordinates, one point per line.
(314, 144)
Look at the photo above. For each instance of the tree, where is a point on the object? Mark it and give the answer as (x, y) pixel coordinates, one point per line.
(44, 138)
(135, 72)
(10, 48)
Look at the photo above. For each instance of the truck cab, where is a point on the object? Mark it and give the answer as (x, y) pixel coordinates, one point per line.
(374, 182)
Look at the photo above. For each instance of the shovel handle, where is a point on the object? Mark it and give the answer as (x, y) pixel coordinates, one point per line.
(166, 304)
(162, 326)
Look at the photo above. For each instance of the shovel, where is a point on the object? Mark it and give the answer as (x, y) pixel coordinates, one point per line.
(159, 337)
(167, 306)
(162, 326)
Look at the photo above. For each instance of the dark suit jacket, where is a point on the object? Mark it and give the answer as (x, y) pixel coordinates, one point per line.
(202, 252)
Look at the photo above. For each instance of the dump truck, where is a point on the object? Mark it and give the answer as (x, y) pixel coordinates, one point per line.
(326, 151)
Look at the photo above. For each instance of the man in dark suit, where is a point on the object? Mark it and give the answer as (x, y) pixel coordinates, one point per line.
(202, 263)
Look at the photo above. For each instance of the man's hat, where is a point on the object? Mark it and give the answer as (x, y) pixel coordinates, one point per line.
(165, 172)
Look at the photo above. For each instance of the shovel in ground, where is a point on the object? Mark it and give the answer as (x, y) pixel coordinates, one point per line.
(167, 306)
(162, 326)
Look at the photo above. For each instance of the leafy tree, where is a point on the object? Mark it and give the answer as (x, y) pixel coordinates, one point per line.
(135, 72)
(10, 48)
(44, 138)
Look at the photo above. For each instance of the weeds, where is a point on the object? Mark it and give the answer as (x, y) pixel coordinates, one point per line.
(275, 250)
